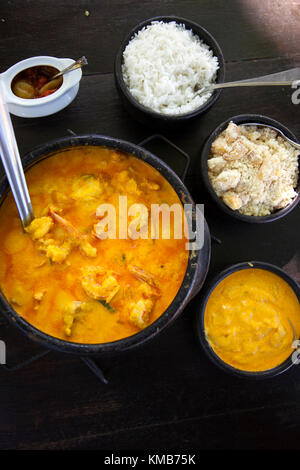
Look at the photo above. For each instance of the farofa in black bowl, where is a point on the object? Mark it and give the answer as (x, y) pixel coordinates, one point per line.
(231, 206)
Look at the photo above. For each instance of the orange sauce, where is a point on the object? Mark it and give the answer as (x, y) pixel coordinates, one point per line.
(247, 319)
(93, 290)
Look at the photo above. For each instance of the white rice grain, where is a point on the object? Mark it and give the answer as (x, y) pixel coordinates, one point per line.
(164, 63)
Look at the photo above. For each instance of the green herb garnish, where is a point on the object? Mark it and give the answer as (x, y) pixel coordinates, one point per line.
(88, 177)
(109, 307)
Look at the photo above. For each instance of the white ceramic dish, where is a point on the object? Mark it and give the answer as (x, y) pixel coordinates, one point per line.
(30, 108)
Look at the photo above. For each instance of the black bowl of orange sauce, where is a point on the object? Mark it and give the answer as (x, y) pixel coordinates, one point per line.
(292, 325)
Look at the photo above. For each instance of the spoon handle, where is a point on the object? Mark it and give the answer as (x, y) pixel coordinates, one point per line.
(79, 63)
(12, 164)
(253, 83)
(286, 78)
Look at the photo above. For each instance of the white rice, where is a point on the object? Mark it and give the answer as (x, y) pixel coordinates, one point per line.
(164, 63)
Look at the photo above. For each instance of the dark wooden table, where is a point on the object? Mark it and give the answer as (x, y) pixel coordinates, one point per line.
(166, 394)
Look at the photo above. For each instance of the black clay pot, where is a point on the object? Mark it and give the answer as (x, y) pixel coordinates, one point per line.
(147, 116)
(198, 261)
(200, 330)
(241, 119)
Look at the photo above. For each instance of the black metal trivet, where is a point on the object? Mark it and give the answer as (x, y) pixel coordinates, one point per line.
(21, 351)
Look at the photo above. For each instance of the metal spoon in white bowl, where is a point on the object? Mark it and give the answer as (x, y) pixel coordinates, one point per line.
(285, 78)
(12, 164)
(76, 65)
(259, 124)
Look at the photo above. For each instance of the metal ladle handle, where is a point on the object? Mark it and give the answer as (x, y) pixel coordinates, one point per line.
(12, 164)
(253, 83)
(285, 78)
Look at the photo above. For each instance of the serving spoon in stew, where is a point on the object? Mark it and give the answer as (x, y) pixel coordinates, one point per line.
(12, 164)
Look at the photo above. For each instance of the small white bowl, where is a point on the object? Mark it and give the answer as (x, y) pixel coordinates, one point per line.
(37, 107)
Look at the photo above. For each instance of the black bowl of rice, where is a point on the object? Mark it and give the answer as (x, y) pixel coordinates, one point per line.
(160, 66)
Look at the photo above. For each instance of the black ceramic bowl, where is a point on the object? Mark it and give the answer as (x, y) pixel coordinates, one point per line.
(146, 115)
(200, 330)
(241, 119)
(198, 261)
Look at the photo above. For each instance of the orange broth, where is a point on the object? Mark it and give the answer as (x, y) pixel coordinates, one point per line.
(66, 281)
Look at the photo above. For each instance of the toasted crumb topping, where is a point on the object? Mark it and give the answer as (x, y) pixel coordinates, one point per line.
(253, 169)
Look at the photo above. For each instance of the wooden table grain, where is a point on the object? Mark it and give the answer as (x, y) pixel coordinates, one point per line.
(166, 394)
